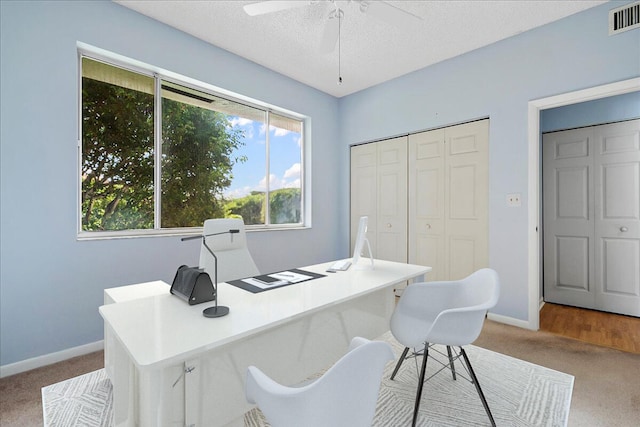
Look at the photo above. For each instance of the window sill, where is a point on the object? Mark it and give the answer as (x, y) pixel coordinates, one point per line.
(174, 232)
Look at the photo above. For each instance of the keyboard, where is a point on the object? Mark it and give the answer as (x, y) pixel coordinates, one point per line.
(341, 265)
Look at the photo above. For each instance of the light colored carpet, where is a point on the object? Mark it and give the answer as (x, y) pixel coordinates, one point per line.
(519, 393)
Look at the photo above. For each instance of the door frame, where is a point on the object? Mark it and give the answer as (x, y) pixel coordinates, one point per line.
(534, 232)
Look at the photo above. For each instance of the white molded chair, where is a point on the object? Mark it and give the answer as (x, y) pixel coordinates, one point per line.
(447, 313)
(234, 259)
(345, 395)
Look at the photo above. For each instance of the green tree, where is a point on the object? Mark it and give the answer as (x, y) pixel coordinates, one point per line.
(118, 160)
(250, 208)
(284, 206)
(117, 157)
(197, 162)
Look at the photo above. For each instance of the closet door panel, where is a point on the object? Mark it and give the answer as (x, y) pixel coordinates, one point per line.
(364, 183)
(426, 202)
(392, 200)
(462, 256)
(466, 197)
(617, 217)
(568, 218)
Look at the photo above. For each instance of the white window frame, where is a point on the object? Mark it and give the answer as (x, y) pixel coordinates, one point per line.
(159, 76)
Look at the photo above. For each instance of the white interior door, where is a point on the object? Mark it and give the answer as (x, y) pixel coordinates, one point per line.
(426, 202)
(379, 191)
(617, 231)
(568, 218)
(364, 160)
(591, 196)
(467, 198)
(392, 200)
(448, 199)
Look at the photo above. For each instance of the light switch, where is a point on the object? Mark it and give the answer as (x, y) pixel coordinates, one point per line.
(514, 200)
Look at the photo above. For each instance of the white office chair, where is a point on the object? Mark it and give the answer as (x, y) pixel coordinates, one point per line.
(448, 313)
(234, 259)
(345, 395)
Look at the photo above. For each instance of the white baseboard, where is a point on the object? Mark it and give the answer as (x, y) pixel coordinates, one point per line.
(48, 359)
(509, 321)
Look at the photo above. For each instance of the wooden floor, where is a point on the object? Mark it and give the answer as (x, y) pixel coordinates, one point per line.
(596, 327)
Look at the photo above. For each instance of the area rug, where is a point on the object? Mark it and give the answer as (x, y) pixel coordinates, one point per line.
(519, 393)
(81, 401)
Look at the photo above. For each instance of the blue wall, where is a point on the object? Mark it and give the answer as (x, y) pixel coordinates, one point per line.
(604, 110)
(498, 81)
(52, 284)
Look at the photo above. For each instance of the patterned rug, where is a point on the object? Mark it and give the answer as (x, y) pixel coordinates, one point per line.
(81, 401)
(519, 393)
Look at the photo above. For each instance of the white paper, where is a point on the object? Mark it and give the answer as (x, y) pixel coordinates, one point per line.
(263, 285)
(291, 276)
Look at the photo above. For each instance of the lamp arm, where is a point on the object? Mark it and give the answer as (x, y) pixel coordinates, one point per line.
(215, 264)
(232, 232)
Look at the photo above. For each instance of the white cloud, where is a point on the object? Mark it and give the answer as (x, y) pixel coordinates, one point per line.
(241, 121)
(293, 184)
(290, 179)
(274, 183)
(293, 171)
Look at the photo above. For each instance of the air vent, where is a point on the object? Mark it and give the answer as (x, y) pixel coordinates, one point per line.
(624, 18)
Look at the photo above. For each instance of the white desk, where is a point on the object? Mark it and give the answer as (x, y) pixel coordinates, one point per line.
(290, 332)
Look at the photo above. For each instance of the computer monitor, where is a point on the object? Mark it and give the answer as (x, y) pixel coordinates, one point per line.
(361, 240)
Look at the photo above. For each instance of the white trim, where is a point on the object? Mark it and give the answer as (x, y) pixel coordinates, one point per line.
(48, 359)
(612, 89)
(508, 320)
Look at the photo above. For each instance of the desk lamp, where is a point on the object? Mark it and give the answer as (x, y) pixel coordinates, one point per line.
(216, 310)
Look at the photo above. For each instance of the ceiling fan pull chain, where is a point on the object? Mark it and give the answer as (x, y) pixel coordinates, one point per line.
(339, 13)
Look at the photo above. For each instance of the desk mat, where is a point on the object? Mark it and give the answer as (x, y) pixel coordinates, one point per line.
(254, 289)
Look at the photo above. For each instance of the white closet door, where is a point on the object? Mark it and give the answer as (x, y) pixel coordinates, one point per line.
(617, 217)
(426, 202)
(591, 196)
(392, 200)
(448, 200)
(467, 198)
(568, 218)
(364, 184)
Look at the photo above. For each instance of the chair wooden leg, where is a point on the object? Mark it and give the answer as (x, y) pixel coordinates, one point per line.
(478, 389)
(420, 384)
(451, 365)
(404, 355)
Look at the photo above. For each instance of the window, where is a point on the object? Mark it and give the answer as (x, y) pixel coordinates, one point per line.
(158, 153)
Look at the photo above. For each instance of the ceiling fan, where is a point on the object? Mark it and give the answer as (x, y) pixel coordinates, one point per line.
(378, 9)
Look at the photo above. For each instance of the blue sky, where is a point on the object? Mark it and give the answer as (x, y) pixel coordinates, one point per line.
(285, 159)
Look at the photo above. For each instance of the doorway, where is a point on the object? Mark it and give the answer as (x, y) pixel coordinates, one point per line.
(591, 215)
(534, 240)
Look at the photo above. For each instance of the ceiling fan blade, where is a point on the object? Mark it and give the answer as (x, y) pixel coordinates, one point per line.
(330, 35)
(264, 7)
(386, 12)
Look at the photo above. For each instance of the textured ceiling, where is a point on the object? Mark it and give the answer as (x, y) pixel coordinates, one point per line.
(371, 50)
